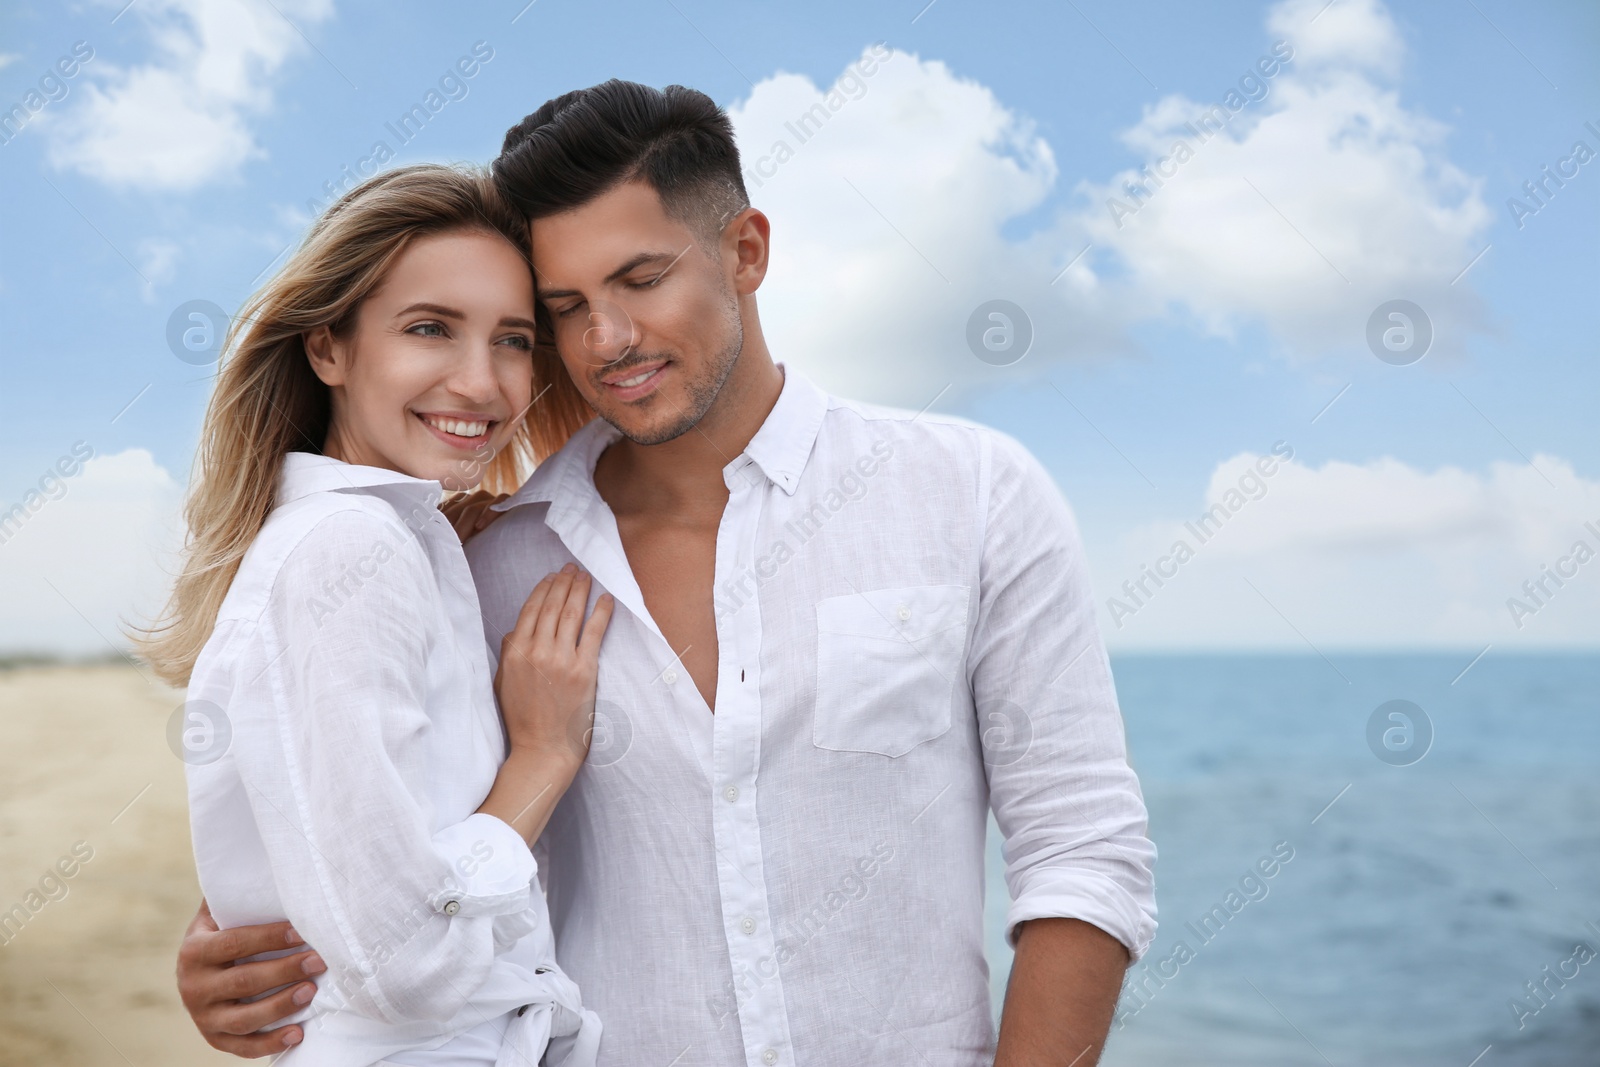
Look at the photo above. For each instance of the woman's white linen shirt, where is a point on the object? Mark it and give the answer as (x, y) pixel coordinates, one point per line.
(340, 733)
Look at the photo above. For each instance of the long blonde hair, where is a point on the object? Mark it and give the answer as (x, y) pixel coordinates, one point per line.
(268, 402)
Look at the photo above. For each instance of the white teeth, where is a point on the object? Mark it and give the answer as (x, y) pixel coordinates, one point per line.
(458, 427)
(628, 383)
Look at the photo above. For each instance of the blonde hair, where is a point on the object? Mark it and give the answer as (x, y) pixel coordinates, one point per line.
(268, 402)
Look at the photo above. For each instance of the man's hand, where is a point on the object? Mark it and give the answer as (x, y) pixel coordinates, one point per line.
(212, 985)
(469, 512)
(1064, 984)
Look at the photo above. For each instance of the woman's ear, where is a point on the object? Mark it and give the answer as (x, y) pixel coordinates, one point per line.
(326, 355)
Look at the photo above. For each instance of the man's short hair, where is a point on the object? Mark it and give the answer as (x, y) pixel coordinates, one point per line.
(582, 144)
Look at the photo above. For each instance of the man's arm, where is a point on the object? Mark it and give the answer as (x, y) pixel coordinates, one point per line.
(212, 985)
(1063, 989)
(1078, 857)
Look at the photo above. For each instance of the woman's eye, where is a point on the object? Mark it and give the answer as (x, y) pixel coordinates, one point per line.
(427, 329)
(517, 340)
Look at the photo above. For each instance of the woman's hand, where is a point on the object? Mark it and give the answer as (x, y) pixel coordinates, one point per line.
(469, 512)
(549, 664)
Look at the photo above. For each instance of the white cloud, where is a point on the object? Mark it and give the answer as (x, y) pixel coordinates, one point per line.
(1380, 553)
(92, 550)
(1354, 202)
(887, 213)
(1308, 208)
(183, 119)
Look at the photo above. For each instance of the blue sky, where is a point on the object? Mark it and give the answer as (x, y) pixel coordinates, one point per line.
(975, 163)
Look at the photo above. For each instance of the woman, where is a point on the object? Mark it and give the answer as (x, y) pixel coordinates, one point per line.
(348, 771)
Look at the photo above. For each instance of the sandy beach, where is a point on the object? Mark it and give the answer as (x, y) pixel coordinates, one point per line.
(85, 771)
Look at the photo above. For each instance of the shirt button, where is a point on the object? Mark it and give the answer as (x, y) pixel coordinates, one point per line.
(731, 794)
(670, 676)
(748, 925)
(452, 906)
(904, 613)
(769, 1057)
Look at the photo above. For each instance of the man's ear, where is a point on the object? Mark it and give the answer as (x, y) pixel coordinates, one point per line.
(747, 239)
(326, 355)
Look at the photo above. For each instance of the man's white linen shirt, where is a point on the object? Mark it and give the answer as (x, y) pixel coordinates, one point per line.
(906, 636)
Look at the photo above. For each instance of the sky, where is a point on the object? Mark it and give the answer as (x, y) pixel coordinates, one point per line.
(1296, 301)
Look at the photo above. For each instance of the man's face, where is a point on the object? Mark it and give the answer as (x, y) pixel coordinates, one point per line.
(645, 316)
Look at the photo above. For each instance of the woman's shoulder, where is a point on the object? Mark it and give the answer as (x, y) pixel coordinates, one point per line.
(326, 537)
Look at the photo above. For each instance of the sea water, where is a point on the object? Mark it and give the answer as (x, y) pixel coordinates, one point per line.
(1444, 911)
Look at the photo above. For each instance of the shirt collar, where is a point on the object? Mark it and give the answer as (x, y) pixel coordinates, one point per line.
(780, 448)
(305, 473)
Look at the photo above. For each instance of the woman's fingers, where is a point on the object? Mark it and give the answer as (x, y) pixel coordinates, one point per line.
(595, 628)
(528, 617)
(544, 630)
(569, 621)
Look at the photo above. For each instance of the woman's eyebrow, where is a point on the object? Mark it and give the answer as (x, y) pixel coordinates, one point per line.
(517, 320)
(437, 309)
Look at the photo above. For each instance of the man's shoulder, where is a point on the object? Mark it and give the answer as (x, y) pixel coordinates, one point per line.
(519, 535)
(924, 438)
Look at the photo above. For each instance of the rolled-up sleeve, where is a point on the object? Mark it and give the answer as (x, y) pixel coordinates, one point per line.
(331, 747)
(1066, 801)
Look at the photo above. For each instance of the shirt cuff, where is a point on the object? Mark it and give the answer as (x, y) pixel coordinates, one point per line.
(1089, 896)
(491, 868)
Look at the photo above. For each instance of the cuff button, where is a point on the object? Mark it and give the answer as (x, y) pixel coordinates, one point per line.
(452, 906)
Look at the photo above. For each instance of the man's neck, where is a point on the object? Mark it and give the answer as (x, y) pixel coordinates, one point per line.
(686, 472)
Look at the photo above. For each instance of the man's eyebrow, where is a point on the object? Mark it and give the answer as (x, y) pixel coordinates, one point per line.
(631, 265)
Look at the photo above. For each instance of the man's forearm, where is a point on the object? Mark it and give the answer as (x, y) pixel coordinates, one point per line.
(1061, 996)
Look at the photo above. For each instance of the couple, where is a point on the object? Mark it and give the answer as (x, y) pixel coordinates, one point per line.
(776, 654)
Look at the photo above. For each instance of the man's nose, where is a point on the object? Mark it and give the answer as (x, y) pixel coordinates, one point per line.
(611, 333)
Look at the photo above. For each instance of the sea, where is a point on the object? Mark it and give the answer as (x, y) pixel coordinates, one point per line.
(1440, 906)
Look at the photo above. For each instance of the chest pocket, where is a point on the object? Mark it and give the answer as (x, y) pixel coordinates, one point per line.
(888, 662)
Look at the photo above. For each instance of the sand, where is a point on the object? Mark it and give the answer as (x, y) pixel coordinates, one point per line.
(88, 979)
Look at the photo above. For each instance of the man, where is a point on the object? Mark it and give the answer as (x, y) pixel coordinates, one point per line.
(843, 634)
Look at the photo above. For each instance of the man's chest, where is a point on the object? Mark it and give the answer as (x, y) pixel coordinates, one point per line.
(674, 562)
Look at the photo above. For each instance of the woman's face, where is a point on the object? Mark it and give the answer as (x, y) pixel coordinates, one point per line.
(437, 372)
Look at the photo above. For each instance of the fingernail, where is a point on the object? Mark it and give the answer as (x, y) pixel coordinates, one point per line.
(313, 964)
(569, 568)
(303, 995)
(292, 936)
(292, 1038)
